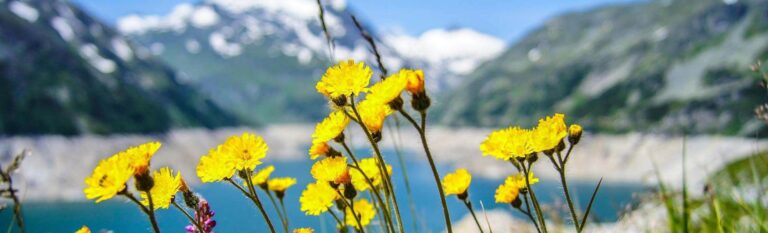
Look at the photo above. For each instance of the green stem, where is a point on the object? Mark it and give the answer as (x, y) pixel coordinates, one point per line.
(568, 198)
(151, 213)
(258, 202)
(382, 165)
(528, 213)
(351, 206)
(373, 189)
(277, 209)
(255, 202)
(191, 219)
(535, 201)
(471, 211)
(435, 174)
(338, 221)
(285, 213)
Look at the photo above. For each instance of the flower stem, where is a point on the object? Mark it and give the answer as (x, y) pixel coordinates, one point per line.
(277, 209)
(471, 211)
(351, 204)
(381, 163)
(258, 202)
(191, 219)
(151, 213)
(568, 198)
(527, 212)
(422, 133)
(386, 214)
(338, 221)
(535, 201)
(255, 202)
(285, 213)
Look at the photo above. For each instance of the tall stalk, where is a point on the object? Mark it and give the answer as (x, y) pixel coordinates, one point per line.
(387, 216)
(382, 165)
(255, 201)
(189, 217)
(422, 134)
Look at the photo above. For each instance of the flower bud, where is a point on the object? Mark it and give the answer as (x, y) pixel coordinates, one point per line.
(339, 138)
(376, 136)
(340, 101)
(144, 181)
(396, 104)
(517, 203)
(349, 191)
(560, 146)
(280, 194)
(420, 101)
(574, 134)
(463, 196)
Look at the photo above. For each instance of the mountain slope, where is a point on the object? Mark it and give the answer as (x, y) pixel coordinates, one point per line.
(261, 59)
(63, 72)
(661, 66)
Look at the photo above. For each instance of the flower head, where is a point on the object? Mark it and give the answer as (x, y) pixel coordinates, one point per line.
(373, 114)
(262, 176)
(317, 198)
(574, 133)
(318, 149)
(330, 128)
(388, 89)
(165, 188)
(344, 79)
(370, 167)
(83, 229)
(508, 143)
(518, 180)
(280, 184)
(365, 213)
(415, 81)
(457, 183)
(215, 166)
(549, 132)
(506, 193)
(332, 169)
(108, 178)
(246, 151)
(139, 156)
(304, 230)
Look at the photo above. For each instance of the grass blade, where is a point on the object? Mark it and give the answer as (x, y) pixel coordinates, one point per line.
(589, 206)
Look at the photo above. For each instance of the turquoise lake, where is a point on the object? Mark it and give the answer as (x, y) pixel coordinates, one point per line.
(234, 213)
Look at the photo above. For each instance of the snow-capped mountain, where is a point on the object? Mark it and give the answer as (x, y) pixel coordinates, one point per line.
(261, 58)
(62, 71)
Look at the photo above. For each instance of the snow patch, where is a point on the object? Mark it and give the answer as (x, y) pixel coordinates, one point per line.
(176, 20)
(91, 53)
(339, 5)
(24, 11)
(220, 44)
(63, 28)
(122, 49)
(204, 16)
(303, 9)
(460, 50)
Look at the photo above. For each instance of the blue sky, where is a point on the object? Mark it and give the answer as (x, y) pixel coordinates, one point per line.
(506, 19)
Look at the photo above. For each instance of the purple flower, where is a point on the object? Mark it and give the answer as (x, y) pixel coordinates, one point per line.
(203, 215)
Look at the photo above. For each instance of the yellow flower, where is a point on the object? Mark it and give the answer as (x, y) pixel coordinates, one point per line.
(370, 167)
(330, 169)
(280, 184)
(549, 132)
(415, 81)
(344, 79)
(139, 156)
(246, 150)
(317, 198)
(215, 166)
(518, 180)
(165, 188)
(457, 183)
(574, 133)
(365, 212)
(388, 89)
(330, 128)
(507, 143)
(261, 177)
(304, 230)
(373, 114)
(506, 193)
(108, 178)
(83, 229)
(318, 149)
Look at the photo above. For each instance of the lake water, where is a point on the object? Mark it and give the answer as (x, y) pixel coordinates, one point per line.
(234, 213)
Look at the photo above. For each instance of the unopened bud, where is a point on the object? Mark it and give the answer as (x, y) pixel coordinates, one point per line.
(420, 101)
(396, 104)
(376, 136)
(517, 203)
(349, 191)
(574, 134)
(340, 101)
(144, 181)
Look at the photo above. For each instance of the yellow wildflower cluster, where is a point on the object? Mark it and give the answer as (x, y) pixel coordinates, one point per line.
(304, 230)
(457, 183)
(515, 142)
(166, 186)
(112, 174)
(369, 167)
(345, 79)
(329, 129)
(238, 153)
(317, 198)
(363, 211)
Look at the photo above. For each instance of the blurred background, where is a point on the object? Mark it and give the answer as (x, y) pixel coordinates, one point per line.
(650, 80)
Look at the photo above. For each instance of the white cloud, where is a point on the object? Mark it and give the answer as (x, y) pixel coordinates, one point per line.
(204, 16)
(460, 50)
(304, 9)
(24, 11)
(176, 20)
